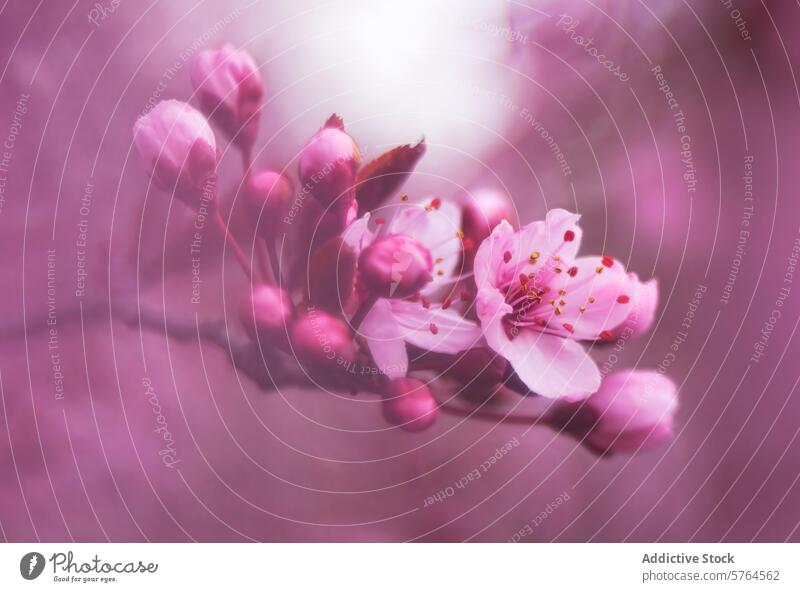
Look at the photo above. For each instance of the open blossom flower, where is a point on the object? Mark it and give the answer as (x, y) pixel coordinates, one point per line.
(230, 89)
(632, 409)
(428, 321)
(177, 146)
(537, 299)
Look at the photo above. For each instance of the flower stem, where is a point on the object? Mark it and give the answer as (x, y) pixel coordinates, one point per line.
(490, 416)
(247, 161)
(274, 261)
(362, 311)
(237, 250)
(267, 273)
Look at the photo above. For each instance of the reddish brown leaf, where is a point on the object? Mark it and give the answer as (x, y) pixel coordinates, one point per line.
(335, 121)
(381, 177)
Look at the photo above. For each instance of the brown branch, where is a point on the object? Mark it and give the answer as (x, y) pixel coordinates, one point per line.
(491, 416)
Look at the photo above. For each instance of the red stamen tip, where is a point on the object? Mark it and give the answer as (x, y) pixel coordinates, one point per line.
(507, 256)
(434, 328)
(607, 260)
(606, 336)
(569, 328)
(380, 221)
(447, 302)
(569, 236)
(436, 203)
(523, 279)
(623, 299)
(572, 271)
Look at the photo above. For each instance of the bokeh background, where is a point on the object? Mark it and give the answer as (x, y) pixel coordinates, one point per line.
(506, 98)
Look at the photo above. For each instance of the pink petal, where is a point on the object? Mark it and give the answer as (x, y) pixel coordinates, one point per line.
(437, 230)
(435, 329)
(506, 254)
(384, 338)
(549, 365)
(593, 302)
(558, 234)
(358, 235)
(489, 257)
(643, 312)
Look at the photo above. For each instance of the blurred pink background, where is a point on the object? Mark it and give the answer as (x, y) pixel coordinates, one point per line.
(489, 85)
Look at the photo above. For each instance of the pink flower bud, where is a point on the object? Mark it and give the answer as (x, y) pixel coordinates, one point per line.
(178, 149)
(329, 162)
(267, 314)
(632, 409)
(268, 197)
(643, 313)
(484, 210)
(409, 404)
(229, 88)
(322, 340)
(395, 266)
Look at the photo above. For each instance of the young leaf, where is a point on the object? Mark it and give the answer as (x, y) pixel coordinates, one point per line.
(379, 178)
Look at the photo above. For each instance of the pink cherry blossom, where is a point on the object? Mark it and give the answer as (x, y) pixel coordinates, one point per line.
(230, 89)
(431, 321)
(632, 409)
(329, 162)
(322, 340)
(268, 197)
(409, 404)
(537, 299)
(268, 314)
(177, 147)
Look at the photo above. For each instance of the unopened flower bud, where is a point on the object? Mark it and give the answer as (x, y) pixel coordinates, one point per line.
(409, 404)
(230, 89)
(632, 409)
(267, 314)
(268, 199)
(395, 266)
(178, 149)
(643, 312)
(484, 210)
(322, 340)
(329, 162)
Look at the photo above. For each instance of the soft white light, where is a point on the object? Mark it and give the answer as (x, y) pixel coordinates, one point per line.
(395, 71)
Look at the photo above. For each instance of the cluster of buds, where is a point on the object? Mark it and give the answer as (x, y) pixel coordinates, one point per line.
(441, 305)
